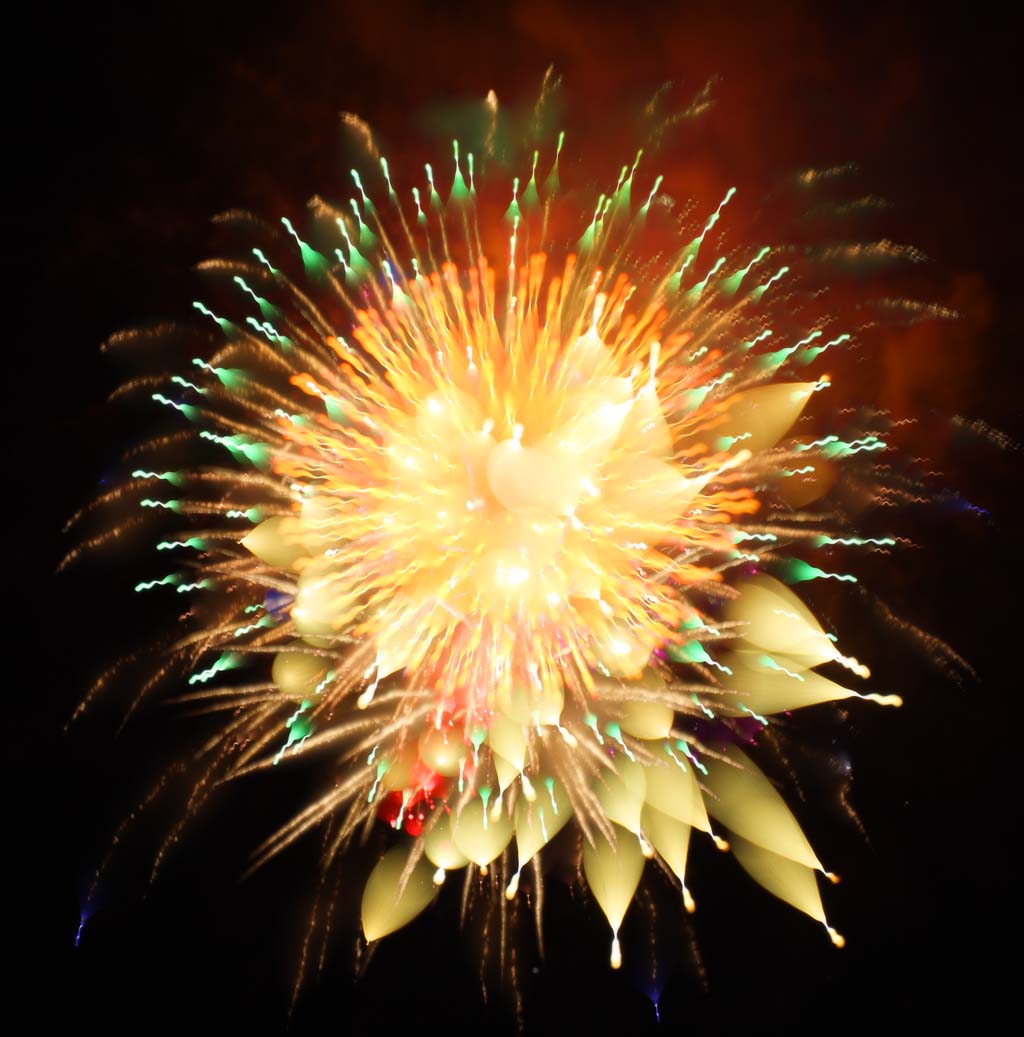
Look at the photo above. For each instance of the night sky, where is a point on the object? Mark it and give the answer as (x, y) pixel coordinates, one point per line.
(132, 126)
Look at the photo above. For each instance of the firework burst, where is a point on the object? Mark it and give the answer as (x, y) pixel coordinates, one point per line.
(512, 510)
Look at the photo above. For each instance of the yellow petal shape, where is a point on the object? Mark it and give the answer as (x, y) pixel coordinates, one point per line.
(398, 775)
(775, 619)
(768, 690)
(624, 651)
(478, 836)
(587, 440)
(647, 720)
(671, 838)
(788, 880)
(278, 541)
(537, 823)
(320, 515)
(589, 358)
(647, 493)
(621, 793)
(758, 418)
(508, 739)
(398, 634)
(675, 792)
(746, 802)
(320, 599)
(298, 673)
(613, 873)
(531, 479)
(645, 430)
(442, 751)
(440, 848)
(514, 703)
(612, 389)
(386, 907)
(507, 772)
(547, 705)
(800, 490)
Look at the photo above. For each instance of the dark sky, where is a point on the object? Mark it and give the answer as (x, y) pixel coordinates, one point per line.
(132, 125)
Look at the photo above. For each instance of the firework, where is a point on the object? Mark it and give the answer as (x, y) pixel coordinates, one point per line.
(512, 508)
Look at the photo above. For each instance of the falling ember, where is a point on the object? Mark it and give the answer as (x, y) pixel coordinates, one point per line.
(507, 531)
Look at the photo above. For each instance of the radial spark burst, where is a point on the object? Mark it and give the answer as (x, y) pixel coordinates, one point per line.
(509, 539)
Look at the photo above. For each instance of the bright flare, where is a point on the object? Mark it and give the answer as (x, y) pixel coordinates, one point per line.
(510, 536)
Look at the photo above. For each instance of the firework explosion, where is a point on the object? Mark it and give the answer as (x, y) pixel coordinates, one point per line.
(511, 544)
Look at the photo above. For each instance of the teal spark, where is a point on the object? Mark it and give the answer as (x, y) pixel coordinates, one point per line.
(810, 355)
(299, 729)
(709, 713)
(367, 203)
(739, 537)
(824, 541)
(185, 384)
(730, 285)
(174, 478)
(222, 322)
(769, 663)
(261, 623)
(169, 580)
(314, 263)
(795, 570)
(684, 747)
(187, 409)
(226, 661)
(202, 585)
(252, 514)
(675, 759)
(694, 294)
(229, 377)
(757, 716)
(267, 329)
(257, 454)
(268, 309)
(459, 192)
(759, 291)
(552, 184)
(614, 731)
(591, 721)
(435, 198)
(263, 259)
(513, 212)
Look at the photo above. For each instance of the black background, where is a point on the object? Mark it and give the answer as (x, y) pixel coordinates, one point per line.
(132, 124)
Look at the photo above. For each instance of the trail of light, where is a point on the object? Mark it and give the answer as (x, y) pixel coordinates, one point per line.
(168, 580)
(187, 409)
(222, 322)
(174, 478)
(260, 624)
(201, 585)
(226, 661)
(822, 541)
